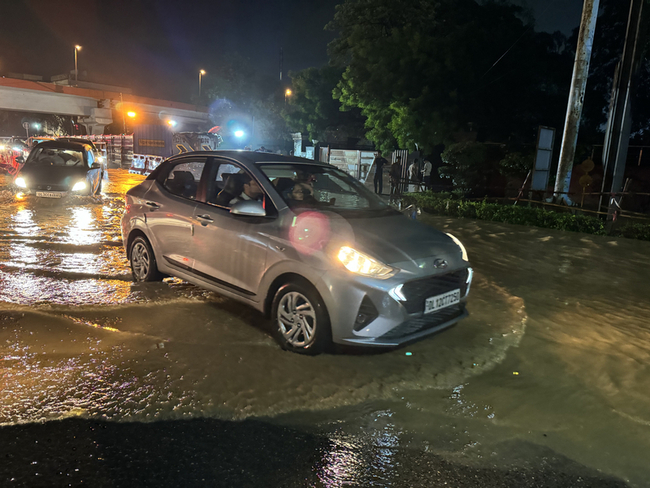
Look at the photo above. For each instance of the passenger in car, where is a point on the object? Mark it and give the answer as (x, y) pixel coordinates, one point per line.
(302, 194)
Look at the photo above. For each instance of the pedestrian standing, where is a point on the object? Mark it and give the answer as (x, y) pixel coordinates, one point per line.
(413, 176)
(379, 163)
(395, 175)
(426, 173)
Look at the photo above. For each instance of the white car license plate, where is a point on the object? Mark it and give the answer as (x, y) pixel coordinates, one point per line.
(49, 194)
(438, 302)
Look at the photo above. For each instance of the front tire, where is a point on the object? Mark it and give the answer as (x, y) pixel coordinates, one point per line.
(143, 261)
(300, 320)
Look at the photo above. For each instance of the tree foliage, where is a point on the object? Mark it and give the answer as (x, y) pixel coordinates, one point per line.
(466, 164)
(314, 111)
(421, 71)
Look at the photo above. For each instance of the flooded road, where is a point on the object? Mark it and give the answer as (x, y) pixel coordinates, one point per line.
(553, 361)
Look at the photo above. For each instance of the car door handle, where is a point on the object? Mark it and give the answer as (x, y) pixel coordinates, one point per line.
(204, 219)
(152, 205)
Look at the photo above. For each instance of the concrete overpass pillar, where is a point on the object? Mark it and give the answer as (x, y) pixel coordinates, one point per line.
(98, 119)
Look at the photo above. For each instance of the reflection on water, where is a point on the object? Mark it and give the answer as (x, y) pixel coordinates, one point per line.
(65, 251)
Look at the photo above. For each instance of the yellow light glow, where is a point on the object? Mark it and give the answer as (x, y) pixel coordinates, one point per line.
(288, 92)
(202, 71)
(363, 264)
(130, 114)
(78, 47)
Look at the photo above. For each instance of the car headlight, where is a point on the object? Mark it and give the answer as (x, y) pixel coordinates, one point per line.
(462, 248)
(362, 264)
(20, 182)
(78, 186)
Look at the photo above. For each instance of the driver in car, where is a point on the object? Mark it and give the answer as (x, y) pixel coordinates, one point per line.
(251, 191)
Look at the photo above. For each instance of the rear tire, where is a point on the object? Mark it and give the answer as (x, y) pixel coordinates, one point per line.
(300, 320)
(143, 261)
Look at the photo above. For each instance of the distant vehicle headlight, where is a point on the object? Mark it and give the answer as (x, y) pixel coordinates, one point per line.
(362, 264)
(20, 182)
(78, 186)
(462, 248)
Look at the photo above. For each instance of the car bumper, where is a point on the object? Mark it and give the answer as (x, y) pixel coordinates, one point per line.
(368, 312)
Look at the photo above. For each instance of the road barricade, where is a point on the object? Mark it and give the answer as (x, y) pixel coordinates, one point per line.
(144, 164)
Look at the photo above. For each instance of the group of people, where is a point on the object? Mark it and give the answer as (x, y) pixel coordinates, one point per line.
(395, 174)
(301, 192)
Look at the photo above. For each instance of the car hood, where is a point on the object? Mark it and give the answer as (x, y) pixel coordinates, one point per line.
(405, 243)
(64, 176)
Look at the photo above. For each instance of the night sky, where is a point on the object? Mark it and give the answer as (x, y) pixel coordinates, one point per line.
(157, 47)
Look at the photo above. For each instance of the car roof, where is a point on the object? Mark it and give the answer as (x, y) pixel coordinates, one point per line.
(77, 139)
(77, 146)
(251, 157)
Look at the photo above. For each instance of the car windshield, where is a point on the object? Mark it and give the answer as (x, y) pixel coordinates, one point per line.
(321, 187)
(56, 156)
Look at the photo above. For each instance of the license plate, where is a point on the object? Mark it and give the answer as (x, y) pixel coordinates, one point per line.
(49, 194)
(438, 302)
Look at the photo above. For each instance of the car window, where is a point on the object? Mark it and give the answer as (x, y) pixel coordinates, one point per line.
(91, 156)
(183, 179)
(56, 156)
(232, 183)
(313, 186)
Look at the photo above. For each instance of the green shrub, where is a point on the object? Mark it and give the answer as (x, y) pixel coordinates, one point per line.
(448, 204)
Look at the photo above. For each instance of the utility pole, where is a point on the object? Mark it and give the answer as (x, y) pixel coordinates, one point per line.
(281, 68)
(620, 119)
(576, 99)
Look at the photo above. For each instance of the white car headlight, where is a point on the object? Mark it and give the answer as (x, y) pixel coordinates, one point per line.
(20, 182)
(362, 264)
(78, 186)
(462, 248)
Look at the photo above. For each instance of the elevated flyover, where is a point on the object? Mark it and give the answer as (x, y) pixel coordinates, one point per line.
(93, 108)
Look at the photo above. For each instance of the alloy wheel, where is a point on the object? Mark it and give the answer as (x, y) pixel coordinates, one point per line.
(140, 261)
(297, 319)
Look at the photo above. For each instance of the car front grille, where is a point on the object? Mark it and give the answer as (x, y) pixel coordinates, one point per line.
(423, 323)
(50, 187)
(417, 291)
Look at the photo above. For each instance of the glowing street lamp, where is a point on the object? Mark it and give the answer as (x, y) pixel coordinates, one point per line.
(287, 93)
(201, 73)
(77, 48)
(131, 114)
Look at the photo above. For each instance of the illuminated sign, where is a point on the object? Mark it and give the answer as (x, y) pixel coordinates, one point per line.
(151, 143)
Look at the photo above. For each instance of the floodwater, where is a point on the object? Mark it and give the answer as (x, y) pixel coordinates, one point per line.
(555, 355)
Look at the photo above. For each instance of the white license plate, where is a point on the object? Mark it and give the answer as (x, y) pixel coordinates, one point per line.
(438, 302)
(49, 194)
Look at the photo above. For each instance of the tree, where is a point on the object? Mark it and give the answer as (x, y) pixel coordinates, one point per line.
(466, 165)
(421, 71)
(314, 110)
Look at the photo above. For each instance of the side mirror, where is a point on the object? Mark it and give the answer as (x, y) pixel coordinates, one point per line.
(20, 160)
(251, 208)
(96, 166)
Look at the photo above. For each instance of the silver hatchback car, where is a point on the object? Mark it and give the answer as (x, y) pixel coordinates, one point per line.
(303, 242)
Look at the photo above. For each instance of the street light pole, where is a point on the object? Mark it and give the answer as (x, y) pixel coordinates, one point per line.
(77, 48)
(287, 93)
(201, 73)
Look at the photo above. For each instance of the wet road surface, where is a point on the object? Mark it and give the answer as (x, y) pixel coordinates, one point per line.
(545, 384)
